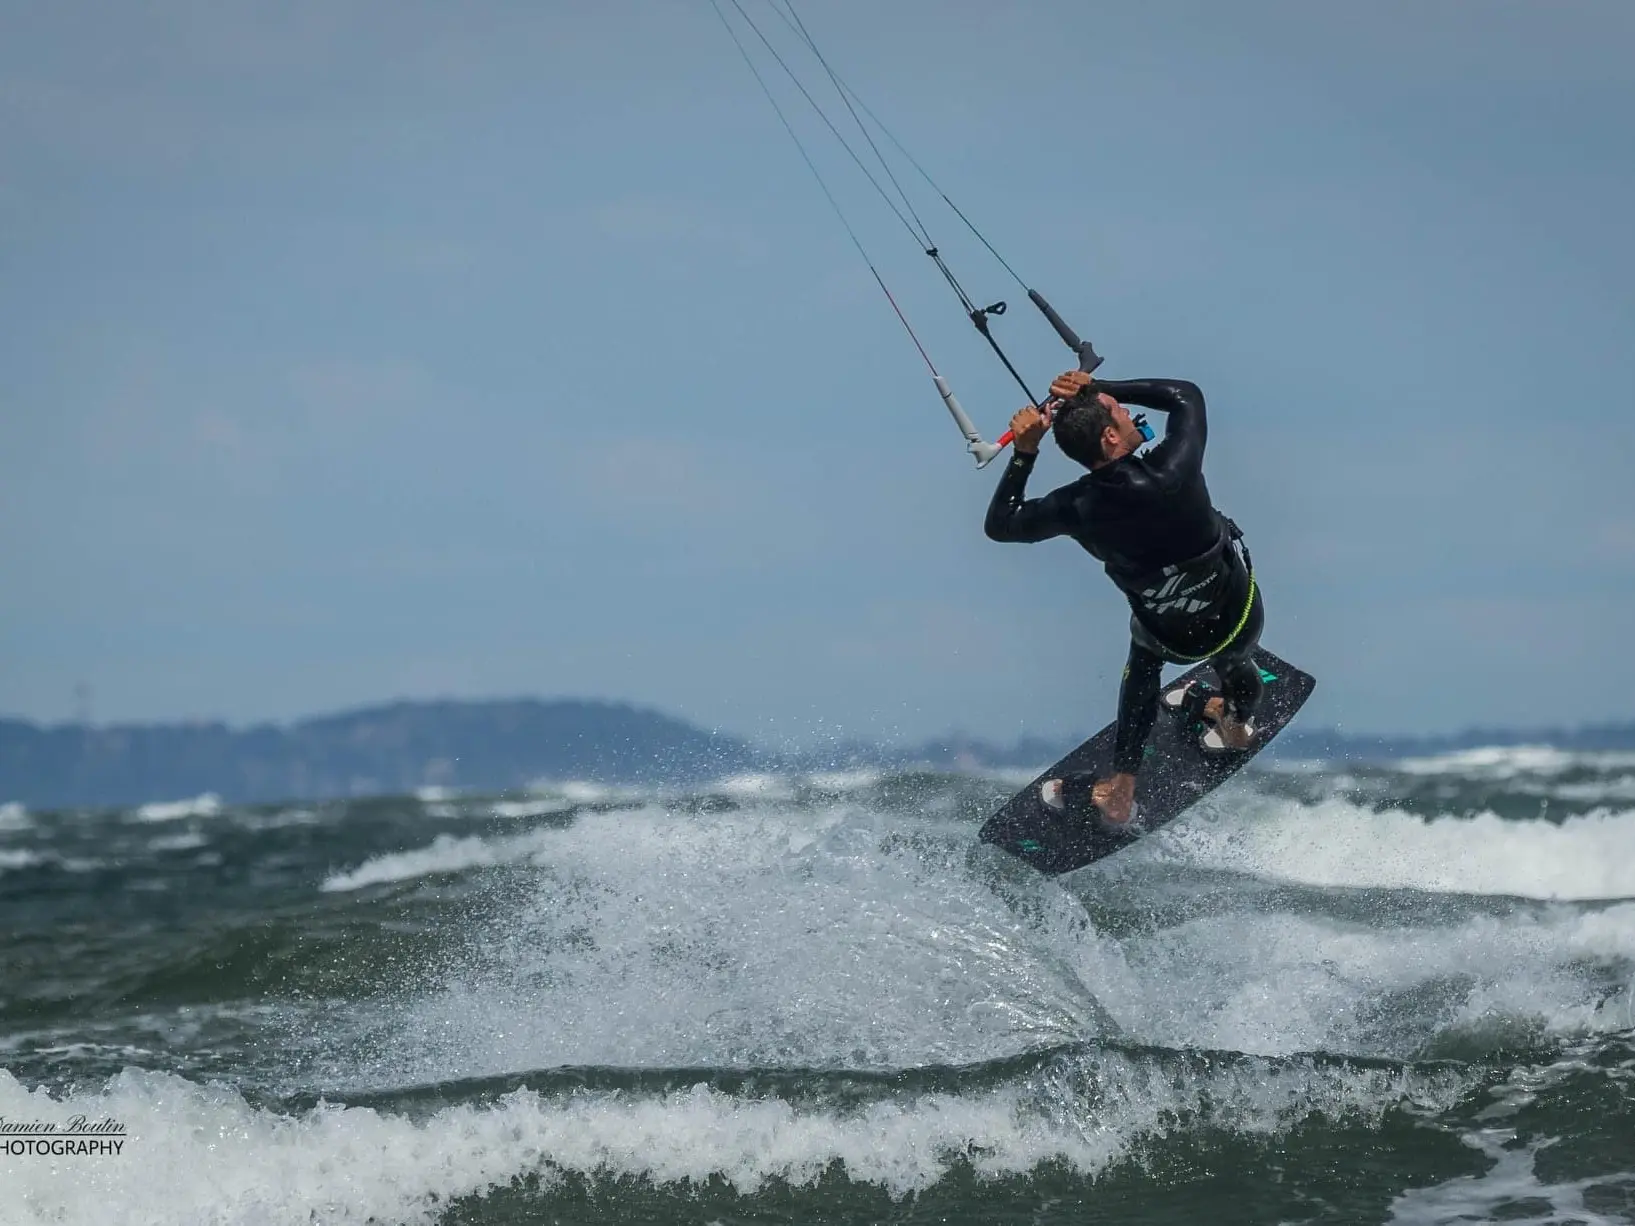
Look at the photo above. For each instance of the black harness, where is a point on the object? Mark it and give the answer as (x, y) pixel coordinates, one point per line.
(1178, 597)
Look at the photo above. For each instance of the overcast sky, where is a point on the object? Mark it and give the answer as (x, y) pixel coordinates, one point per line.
(352, 351)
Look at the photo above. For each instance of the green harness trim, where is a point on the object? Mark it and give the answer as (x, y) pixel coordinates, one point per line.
(1248, 607)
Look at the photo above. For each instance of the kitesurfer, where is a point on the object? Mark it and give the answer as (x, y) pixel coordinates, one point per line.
(1179, 562)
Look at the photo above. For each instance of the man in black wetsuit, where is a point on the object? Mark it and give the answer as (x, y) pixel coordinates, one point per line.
(1150, 522)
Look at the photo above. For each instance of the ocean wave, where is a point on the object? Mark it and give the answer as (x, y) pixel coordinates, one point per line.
(764, 786)
(582, 792)
(843, 781)
(446, 854)
(731, 937)
(206, 805)
(280, 820)
(1598, 791)
(541, 807)
(178, 842)
(20, 858)
(736, 936)
(1510, 761)
(1512, 1190)
(196, 1153)
(1335, 842)
(1282, 982)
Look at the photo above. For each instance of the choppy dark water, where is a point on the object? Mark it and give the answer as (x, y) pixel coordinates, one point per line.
(1382, 995)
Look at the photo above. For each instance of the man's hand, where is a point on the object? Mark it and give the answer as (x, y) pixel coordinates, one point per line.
(1070, 384)
(1028, 426)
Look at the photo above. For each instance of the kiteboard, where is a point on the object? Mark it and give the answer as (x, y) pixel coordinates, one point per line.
(1176, 772)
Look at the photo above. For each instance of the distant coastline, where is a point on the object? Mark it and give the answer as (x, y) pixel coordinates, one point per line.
(500, 745)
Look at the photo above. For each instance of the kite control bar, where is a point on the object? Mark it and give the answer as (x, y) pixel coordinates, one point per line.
(1089, 359)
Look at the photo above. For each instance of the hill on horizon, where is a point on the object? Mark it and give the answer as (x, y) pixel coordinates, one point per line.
(393, 748)
(500, 745)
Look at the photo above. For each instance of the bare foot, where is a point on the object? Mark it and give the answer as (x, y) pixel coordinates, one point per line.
(1115, 797)
(1234, 733)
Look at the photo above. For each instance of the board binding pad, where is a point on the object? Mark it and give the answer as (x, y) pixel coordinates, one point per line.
(1176, 772)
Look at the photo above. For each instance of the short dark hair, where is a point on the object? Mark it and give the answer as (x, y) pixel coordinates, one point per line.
(1079, 425)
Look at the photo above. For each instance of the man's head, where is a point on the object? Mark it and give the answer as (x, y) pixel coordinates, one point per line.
(1095, 429)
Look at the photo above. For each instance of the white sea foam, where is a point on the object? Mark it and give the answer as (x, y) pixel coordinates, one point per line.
(446, 854)
(206, 805)
(541, 807)
(844, 781)
(14, 816)
(1619, 788)
(1284, 982)
(1511, 761)
(278, 820)
(1510, 1190)
(1337, 843)
(1393, 979)
(178, 842)
(1275, 764)
(755, 787)
(195, 1154)
(22, 857)
(752, 936)
(582, 792)
(766, 935)
(1016, 777)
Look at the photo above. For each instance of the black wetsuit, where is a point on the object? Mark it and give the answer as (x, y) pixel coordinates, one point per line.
(1150, 521)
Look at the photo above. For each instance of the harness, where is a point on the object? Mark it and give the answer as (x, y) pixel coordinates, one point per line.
(1182, 591)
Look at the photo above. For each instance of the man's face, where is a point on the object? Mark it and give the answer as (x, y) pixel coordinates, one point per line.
(1129, 437)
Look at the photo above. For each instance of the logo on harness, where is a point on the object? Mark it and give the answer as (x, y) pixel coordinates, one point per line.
(1171, 596)
(1194, 588)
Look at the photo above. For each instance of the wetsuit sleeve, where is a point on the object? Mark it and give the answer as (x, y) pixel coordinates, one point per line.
(1014, 517)
(1180, 456)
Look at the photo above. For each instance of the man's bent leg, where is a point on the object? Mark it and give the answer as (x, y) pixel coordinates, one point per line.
(1239, 674)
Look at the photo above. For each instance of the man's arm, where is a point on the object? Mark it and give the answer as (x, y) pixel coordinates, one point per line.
(1012, 516)
(1181, 454)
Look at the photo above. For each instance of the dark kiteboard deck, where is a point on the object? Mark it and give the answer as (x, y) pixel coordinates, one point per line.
(1176, 773)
